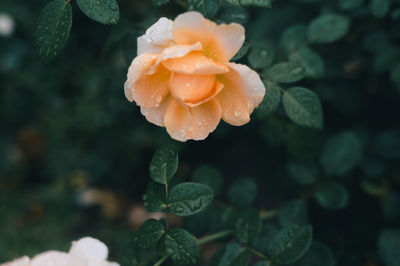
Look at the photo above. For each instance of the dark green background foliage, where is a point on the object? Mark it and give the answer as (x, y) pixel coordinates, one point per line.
(313, 179)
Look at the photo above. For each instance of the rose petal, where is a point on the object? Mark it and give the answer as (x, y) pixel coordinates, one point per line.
(156, 115)
(191, 89)
(243, 91)
(55, 258)
(220, 42)
(157, 37)
(146, 90)
(195, 63)
(192, 123)
(175, 51)
(89, 249)
(24, 261)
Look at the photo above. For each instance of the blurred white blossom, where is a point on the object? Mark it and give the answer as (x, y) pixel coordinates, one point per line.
(7, 25)
(86, 251)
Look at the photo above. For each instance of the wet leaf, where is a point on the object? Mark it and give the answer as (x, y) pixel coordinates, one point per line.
(231, 255)
(103, 11)
(285, 72)
(149, 233)
(181, 246)
(271, 100)
(208, 175)
(328, 28)
(242, 192)
(248, 226)
(332, 195)
(164, 163)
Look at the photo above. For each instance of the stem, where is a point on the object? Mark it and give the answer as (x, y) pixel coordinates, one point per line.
(212, 237)
(160, 261)
(258, 253)
(268, 214)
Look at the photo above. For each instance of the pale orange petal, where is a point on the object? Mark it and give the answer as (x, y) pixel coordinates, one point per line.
(191, 89)
(243, 91)
(220, 42)
(146, 90)
(192, 122)
(157, 37)
(156, 115)
(195, 63)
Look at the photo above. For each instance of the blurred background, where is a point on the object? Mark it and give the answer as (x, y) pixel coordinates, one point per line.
(74, 153)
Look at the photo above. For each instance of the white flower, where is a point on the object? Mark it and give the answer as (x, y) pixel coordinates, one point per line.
(86, 251)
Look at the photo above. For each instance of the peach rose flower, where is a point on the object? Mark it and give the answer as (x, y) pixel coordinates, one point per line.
(182, 78)
(86, 251)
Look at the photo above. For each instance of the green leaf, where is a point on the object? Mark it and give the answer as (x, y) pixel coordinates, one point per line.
(304, 173)
(285, 72)
(318, 254)
(293, 212)
(261, 56)
(328, 28)
(268, 230)
(387, 144)
(310, 61)
(341, 153)
(395, 75)
(231, 255)
(262, 263)
(149, 233)
(154, 199)
(164, 163)
(332, 195)
(303, 143)
(350, 4)
(208, 8)
(242, 192)
(181, 246)
(189, 198)
(208, 175)
(259, 3)
(271, 100)
(248, 226)
(232, 13)
(53, 28)
(303, 107)
(379, 8)
(389, 246)
(242, 52)
(103, 11)
(294, 37)
(290, 244)
(159, 2)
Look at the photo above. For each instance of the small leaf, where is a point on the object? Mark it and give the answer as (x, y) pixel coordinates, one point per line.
(341, 153)
(304, 173)
(181, 246)
(294, 37)
(293, 212)
(328, 28)
(242, 52)
(332, 195)
(268, 230)
(379, 8)
(310, 61)
(242, 192)
(208, 175)
(261, 56)
(208, 8)
(285, 72)
(232, 13)
(53, 27)
(318, 254)
(103, 11)
(387, 144)
(350, 4)
(189, 198)
(259, 3)
(159, 2)
(389, 246)
(164, 163)
(290, 244)
(154, 199)
(271, 100)
(231, 255)
(303, 107)
(149, 233)
(248, 226)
